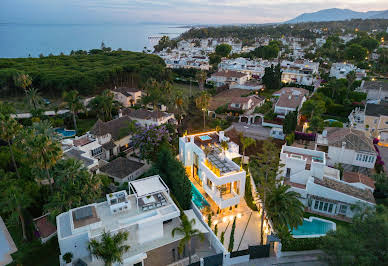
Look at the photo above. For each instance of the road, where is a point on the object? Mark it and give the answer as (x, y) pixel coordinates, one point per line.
(254, 131)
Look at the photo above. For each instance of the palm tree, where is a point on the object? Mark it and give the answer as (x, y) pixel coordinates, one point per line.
(224, 146)
(45, 152)
(15, 198)
(188, 233)
(33, 98)
(73, 103)
(111, 247)
(155, 94)
(201, 78)
(246, 142)
(284, 207)
(202, 103)
(178, 104)
(22, 80)
(9, 129)
(264, 170)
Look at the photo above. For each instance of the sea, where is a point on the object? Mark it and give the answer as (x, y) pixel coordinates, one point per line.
(24, 40)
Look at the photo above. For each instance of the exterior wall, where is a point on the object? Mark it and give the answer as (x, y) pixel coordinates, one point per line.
(324, 192)
(346, 156)
(151, 122)
(186, 155)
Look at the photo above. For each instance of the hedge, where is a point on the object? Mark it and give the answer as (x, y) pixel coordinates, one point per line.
(299, 244)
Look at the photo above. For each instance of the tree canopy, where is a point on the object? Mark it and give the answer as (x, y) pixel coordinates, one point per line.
(85, 72)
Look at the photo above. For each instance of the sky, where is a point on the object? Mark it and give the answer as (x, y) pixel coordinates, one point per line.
(169, 11)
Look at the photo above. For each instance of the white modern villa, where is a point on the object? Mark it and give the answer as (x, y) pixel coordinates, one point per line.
(320, 187)
(211, 168)
(147, 213)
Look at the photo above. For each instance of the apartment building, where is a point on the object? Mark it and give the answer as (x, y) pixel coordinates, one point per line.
(212, 168)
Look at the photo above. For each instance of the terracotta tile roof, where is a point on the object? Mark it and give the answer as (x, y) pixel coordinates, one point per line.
(126, 90)
(229, 74)
(112, 127)
(121, 167)
(363, 194)
(82, 141)
(355, 139)
(44, 226)
(293, 184)
(143, 113)
(354, 177)
(287, 90)
(289, 100)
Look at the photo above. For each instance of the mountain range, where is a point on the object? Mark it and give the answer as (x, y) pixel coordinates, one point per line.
(336, 14)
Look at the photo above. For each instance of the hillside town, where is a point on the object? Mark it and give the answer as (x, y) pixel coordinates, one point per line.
(203, 151)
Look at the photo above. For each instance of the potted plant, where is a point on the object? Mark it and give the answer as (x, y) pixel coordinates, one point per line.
(68, 257)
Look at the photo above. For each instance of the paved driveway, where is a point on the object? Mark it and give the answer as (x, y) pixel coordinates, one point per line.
(254, 131)
(384, 156)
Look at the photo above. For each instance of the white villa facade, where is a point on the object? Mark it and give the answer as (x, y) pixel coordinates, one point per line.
(320, 187)
(347, 146)
(341, 70)
(148, 214)
(216, 173)
(301, 72)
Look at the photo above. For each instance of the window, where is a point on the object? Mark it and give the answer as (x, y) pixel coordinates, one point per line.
(320, 205)
(325, 206)
(371, 159)
(330, 207)
(365, 158)
(358, 158)
(96, 151)
(375, 121)
(209, 183)
(138, 264)
(316, 204)
(343, 209)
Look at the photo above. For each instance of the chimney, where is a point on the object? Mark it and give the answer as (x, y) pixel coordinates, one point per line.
(289, 97)
(120, 113)
(221, 136)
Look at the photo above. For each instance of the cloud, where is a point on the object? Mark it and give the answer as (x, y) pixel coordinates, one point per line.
(170, 11)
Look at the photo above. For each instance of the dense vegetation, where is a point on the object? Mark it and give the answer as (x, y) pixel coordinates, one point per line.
(85, 72)
(250, 32)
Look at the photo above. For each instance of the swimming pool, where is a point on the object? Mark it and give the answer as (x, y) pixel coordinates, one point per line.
(313, 227)
(65, 133)
(197, 198)
(205, 137)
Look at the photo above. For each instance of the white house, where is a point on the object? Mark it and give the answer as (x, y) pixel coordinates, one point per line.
(215, 172)
(341, 70)
(225, 77)
(112, 137)
(302, 72)
(347, 146)
(376, 90)
(320, 187)
(147, 213)
(290, 100)
(148, 118)
(126, 96)
(246, 103)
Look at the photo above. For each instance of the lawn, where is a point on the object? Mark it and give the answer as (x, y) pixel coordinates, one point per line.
(186, 89)
(33, 252)
(84, 125)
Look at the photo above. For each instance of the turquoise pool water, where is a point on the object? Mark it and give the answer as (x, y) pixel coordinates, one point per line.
(65, 133)
(205, 137)
(313, 227)
(197, 198)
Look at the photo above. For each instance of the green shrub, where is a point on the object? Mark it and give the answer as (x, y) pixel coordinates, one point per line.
(248, 194)
(290, 138)
(299, 244)
(222, 237)
(216, 229)
(231, 239)
(222, 109)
